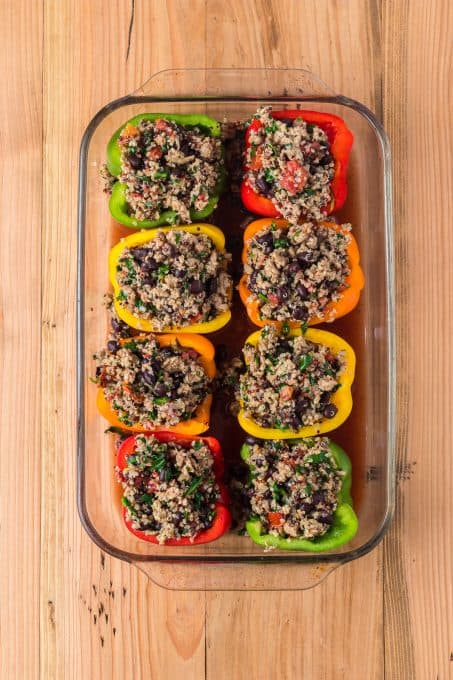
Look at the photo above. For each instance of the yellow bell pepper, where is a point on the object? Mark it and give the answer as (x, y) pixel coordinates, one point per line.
(138, 239)
(342, 398)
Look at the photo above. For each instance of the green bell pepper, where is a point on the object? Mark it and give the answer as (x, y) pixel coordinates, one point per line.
(118, 204)
(343, 528)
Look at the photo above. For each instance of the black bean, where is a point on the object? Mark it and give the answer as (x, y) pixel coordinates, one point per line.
(166, 352)
(325, 518)
(294, 423)
(211, 285)
(135, 161)
(180, 273)
(300, 313)
(282, 293)
(185, 148)
(148, 377)
(150, 265)
(156, 366)
(177, 378)
(160, 390)
(306, 258)
(169, 250)
(251, 440)
(325, 160)
(330, 411)
(287, 121)
(163, 475)
(263, 186)
(139, 254)
(318, 497)
(252, 278)
(196, 286)
(302, 405)
(221, 352)
(324, 398)
(294, 267)
(113, 346)
(302, 291)
(116, 325)
(284, 346)
(266, 240)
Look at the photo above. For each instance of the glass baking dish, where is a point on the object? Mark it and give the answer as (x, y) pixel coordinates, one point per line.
(234, 562)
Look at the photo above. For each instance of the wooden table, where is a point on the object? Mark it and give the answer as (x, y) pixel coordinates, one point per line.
(69, 611)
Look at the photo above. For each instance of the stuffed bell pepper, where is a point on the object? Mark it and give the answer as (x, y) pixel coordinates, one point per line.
(152, 382)
(173, 492)
(295, 384)
(172, 279)
(169, 169)
(299, 494)
(295, 164)
(297, 273)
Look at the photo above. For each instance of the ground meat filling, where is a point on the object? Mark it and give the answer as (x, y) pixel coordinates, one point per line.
(289, 162)
(150, 385)
(295, 273)
(294, 487)
(177, 279)
(167, 166)
(289, 382)
(170, 491)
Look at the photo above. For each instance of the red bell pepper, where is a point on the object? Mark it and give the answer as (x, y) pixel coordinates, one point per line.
(222, 519)
(340, 139)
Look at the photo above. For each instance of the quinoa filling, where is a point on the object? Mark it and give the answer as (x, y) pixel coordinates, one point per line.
(289, 162)
(167, 166)
(150, 385)
(294, 488)
(170, 490)
(289, 381)
(176, 279)
(295, 273)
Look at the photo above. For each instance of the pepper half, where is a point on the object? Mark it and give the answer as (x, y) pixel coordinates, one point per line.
(345, 522)
(340, 139)
(200, 420)
(118, 205)
(349, 296)
(342, 398)
(216, 236)
(222, 519)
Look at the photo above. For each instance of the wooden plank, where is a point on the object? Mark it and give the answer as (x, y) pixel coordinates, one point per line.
(418, 568)
(334, 630)
(99, 618)
(20, 330)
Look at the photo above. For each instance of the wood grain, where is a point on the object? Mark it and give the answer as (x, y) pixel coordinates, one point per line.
(20, 336)
(70, 611)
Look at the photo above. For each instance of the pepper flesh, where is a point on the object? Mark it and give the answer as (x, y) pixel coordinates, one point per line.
(200, 420)
(340, 139)
(222, 519)
(342, 398)
(118, 204)
(350, 296)
(216, 236)
(345, 522)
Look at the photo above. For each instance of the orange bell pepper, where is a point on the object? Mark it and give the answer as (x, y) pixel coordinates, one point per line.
(200, 420)
(334, 310)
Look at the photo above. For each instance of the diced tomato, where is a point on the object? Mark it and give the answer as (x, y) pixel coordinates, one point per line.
(256, 161)
(155, 153)
(273, 298)
(286, 393)
(275, 519)
(294, 177)
(163, 125)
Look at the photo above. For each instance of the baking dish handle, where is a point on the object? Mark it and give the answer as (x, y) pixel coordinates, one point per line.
(236, 576)
(225, 82)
